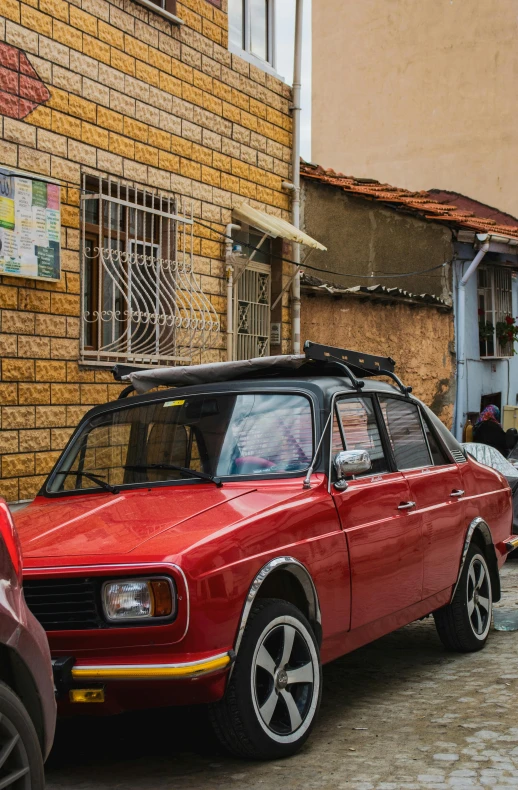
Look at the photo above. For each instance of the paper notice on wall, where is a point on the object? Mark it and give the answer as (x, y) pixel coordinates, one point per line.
(23, 197)
(53, 196)
(6, 213)
(39, 225)
(53, 225)
(46, 262)
(30, 227)
(39, 194)
(8, 243)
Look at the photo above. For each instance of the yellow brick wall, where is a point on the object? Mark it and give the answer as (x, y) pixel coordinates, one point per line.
(156, 104)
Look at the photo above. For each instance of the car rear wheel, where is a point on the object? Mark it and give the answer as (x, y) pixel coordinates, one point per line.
(464, 624)
(273, 695)
(21, 762)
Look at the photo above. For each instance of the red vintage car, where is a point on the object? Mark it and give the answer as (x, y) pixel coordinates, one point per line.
(218, 542)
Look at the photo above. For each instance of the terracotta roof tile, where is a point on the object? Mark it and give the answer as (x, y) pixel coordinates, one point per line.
(420, 203)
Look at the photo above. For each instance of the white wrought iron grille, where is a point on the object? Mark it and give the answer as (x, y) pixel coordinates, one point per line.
(494, 305)
(141, 302)
(252, 311)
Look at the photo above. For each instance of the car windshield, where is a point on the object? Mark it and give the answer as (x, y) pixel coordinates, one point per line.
(216, 435)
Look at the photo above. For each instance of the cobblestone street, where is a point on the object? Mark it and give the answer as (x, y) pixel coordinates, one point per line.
(400, 713)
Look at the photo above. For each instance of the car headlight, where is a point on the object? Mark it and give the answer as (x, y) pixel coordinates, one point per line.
(138, 599)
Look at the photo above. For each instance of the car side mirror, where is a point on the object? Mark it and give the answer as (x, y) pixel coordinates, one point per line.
(350, 462)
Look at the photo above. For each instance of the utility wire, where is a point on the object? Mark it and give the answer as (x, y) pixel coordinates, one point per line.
(72, 185)
(317, 268)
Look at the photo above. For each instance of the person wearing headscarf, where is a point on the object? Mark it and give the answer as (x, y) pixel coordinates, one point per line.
(488, 430)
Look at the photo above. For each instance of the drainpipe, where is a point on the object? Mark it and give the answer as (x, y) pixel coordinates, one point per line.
(230, 288)
(295, 202)
(462, 381)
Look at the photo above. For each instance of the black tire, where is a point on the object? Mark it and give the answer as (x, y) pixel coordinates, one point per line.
(21, 762)
(464, 624)
(262, 715)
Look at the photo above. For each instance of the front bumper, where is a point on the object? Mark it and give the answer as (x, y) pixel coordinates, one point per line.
(190, 669)
(68, 674)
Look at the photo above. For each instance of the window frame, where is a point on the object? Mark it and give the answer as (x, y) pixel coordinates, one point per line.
(385, 442)
(494, 272)
(384, 435)
(166, 8)
(245, 51)
(166, 315)
(440, 444)
(388, 395)
(102, 231)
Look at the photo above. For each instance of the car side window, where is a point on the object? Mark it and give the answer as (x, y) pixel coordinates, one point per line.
(405, 432)
(438, 455)
(360, 431)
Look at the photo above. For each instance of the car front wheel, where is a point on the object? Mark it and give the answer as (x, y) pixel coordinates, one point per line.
(274, 692)
(464, 624)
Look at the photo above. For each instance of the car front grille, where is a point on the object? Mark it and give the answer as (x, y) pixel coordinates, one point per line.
(64, 604)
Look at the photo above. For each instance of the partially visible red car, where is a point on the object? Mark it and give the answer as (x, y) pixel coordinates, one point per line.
(27, 699)
(218, 542)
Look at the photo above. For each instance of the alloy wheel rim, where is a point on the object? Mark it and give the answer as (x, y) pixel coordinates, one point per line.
(14, 762)
(479, 597)
(283, 679)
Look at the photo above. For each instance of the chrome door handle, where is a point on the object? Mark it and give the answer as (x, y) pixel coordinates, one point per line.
(406, 505)
(457, 492)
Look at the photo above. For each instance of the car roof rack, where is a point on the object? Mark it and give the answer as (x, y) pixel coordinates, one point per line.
(354, 364)
(317, 360)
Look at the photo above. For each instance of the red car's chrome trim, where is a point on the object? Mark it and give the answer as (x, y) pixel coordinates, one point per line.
(152, 671)
(482, 525)
(61, 570)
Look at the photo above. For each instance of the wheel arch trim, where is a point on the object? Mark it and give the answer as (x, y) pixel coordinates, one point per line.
(296, 569)
(481, 526)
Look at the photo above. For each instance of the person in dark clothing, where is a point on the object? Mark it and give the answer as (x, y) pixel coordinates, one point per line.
(488, 430)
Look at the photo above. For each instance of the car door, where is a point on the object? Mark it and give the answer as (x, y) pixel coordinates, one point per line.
(383, 534)
(435, 487)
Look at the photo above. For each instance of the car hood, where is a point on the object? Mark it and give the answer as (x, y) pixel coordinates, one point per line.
(108, 524)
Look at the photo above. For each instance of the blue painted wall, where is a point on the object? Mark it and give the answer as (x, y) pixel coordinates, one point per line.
(485, 377)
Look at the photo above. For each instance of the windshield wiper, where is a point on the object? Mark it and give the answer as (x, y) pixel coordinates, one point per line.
(184, 469)
(100, 482)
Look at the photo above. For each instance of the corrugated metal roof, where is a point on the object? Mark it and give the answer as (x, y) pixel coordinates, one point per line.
(422, 204)
(379, 293)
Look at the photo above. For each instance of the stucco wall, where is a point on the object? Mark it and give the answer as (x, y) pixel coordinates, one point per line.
(366, 238)
(419, 94)
(420, 339)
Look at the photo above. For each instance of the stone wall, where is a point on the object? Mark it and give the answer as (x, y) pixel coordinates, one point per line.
(419, 339)
(118, 90)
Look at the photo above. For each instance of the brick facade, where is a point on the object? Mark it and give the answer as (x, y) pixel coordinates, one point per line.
(118, 90)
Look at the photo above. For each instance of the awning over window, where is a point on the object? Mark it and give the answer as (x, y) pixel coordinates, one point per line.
(274, 226)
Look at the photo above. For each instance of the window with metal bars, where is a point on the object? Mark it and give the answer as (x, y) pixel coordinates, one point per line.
(494, 306)
(141, 302)
(252, 295)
